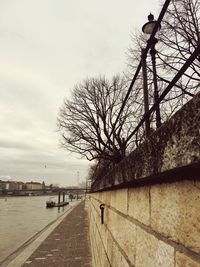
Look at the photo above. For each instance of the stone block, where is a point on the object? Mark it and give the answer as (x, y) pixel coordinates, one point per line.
(119, 200)
(182, 260)
(96, 204)
(104, 235)
(152, 252)
(93, 195)
(106, 197)
(99, 248)
(124, 232)
(95, 216)
(105, 261)
(109, 247)
(175, 212)
(117, 259)
(139, 204)
(98, 237)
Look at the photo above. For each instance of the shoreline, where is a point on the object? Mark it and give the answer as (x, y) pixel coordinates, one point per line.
(10, 196)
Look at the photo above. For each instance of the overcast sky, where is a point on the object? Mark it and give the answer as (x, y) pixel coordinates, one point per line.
(46, 47)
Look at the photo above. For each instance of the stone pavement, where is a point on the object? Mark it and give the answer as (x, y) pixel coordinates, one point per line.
(68, 245)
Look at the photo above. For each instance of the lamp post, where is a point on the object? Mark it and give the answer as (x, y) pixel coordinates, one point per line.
(145, 93)
(148, 29)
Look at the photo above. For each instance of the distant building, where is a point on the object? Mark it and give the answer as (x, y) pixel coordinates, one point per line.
(21, 186)
(11, 185)
(34, 186)
(2, 185)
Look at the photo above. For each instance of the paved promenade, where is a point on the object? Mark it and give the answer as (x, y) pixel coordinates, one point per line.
(66, 246)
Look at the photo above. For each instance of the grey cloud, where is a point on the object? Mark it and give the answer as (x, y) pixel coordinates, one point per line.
(15, 145)
(46, 47)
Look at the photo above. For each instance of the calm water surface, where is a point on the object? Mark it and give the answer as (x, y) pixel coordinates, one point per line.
(21, 218)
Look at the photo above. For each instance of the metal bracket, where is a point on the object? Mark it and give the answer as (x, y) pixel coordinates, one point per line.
(102, 207)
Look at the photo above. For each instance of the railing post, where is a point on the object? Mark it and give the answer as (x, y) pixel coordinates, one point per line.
(59, 197)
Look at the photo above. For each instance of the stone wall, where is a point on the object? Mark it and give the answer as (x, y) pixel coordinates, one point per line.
(157, 225)
(152, 200)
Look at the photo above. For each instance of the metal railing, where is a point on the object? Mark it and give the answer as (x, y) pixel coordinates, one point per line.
(168, 88)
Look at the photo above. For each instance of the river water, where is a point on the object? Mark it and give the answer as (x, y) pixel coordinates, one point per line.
(21, 218)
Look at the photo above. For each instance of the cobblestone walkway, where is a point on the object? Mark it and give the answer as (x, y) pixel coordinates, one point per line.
(68, 245)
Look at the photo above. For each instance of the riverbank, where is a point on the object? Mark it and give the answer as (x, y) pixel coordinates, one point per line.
(63, 243)
(29, 195)
(30, 241)
(22, 218)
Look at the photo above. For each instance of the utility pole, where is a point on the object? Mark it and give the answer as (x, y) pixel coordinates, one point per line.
(78, 178)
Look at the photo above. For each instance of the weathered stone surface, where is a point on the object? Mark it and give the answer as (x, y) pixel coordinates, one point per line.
(98, 250)
(106, 197)
(152, 252)
(174, 145)
(124, 232)
(104, 249)
(95, 195)
(175, 212)
(184, 261)
(104, 235)
(117, 259)
(138, 204)
(95, 203)
(105, 261)
(109, 247)
(174, 209)
(119, 200)
(97, 216)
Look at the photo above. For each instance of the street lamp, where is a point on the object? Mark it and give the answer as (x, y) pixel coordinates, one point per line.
(148, 29)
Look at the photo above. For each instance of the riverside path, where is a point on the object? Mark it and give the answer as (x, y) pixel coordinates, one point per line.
(66, 246)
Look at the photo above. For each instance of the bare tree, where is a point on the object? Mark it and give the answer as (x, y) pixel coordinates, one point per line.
(99, 169)
(180, 35)
(87, 122)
